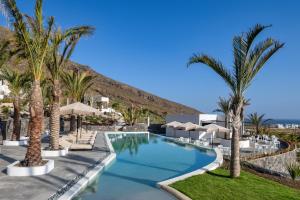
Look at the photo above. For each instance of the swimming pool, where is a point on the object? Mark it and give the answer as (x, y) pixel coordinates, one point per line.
(142, 161)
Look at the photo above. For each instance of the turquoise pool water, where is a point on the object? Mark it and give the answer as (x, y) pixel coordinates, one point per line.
(141, 162)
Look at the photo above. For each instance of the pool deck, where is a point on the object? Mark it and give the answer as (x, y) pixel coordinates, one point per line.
(67, 168)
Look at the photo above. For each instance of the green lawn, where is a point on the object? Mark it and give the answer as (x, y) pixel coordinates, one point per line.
(217, 185)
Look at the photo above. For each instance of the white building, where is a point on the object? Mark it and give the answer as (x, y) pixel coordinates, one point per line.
(199, 119)
(202, 120)
(4, 91)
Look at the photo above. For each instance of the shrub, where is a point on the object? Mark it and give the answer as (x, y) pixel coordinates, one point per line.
(293, 169)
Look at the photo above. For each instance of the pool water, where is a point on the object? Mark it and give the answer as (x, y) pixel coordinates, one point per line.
(142, 161)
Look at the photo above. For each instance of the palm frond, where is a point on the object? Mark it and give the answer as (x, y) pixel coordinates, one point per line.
(215, 66)
(266, 57)
(253, 33)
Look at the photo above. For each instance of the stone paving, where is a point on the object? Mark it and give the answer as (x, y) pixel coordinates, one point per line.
(42, 187)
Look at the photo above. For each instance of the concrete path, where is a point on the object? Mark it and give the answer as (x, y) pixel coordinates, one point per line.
(42, 187)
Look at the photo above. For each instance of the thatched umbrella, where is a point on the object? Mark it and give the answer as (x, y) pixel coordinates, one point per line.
(79, 109)
(172, 125)
(213, 128)
(189, 126)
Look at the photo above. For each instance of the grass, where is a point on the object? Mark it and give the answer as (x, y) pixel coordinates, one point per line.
(217, 185)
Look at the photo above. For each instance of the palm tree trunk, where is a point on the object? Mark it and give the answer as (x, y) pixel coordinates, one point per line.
(33, 156)
(16, 122)
(235, 167)
(54, 117)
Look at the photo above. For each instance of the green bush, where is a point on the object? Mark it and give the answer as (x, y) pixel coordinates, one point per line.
(293, 169)
(5, 111)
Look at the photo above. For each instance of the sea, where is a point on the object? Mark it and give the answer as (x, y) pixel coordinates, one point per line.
(284, 121)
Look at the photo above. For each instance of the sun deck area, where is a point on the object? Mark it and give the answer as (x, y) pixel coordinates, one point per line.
(67, 170)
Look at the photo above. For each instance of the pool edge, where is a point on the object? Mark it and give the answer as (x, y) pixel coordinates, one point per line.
(92, 174)
(212, 166)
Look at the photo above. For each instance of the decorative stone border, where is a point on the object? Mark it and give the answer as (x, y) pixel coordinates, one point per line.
(24, 138)
(15, 143)
(13, 170)
(55, 153)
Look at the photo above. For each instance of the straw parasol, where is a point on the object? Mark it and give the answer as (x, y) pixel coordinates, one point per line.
(189, 126)
(79, 109)
(213, 128)
(216, 128)
(173, 125)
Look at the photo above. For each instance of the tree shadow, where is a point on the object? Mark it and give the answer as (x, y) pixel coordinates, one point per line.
(218, 175)
(7, 159)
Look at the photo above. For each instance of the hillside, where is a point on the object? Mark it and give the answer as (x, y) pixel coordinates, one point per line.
(120, 92)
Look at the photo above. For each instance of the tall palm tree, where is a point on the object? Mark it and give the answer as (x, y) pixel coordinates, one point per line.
(257, 121)
(77, 84)
(32, 38)
(61, 48)
(17, 84)
(249, 59)
(224, 106)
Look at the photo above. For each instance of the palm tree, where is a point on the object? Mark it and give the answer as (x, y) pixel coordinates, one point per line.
(224, 106)
(32, 39)
(246, 102)
(76, 85)
(61, 48)
(17, 84)
(5, 52)
(257, 121)
(248, 61)
(131, 114)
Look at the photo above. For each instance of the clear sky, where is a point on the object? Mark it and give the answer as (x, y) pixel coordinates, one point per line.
(147, 43)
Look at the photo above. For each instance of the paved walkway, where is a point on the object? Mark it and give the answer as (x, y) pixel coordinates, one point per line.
(42, 187)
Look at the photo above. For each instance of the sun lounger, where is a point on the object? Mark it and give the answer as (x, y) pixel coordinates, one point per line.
(85, 142)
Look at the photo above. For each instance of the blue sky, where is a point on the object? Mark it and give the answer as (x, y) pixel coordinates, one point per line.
(146, 44)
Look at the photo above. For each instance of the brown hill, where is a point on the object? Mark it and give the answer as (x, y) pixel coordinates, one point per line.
(120, 92)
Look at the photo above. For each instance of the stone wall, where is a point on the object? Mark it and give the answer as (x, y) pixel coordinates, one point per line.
(274, 164)
(156, 128)
(136, 127)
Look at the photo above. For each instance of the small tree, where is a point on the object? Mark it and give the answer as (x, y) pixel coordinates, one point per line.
(294, 170)
(77, 84)
(257, 121)
(224, 106)
(17, 83)
(131, 114)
